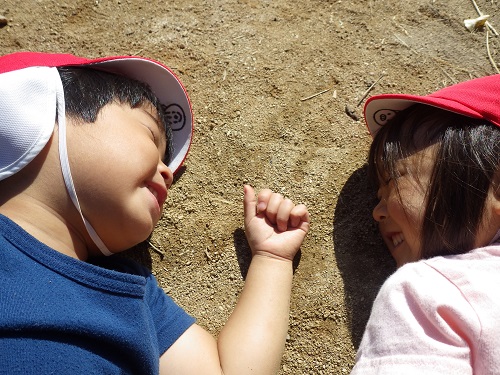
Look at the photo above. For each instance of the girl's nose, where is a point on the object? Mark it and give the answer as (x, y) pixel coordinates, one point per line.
(380, 211)
(166, 173)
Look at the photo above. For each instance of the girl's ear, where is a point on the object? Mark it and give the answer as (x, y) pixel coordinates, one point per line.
(496, 205)
(495, 186)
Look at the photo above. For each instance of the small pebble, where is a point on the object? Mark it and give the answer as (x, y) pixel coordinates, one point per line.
(3, 21)
(351, 113)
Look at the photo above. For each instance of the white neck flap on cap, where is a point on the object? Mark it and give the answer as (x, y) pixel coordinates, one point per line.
(27, 110)
(29, 101)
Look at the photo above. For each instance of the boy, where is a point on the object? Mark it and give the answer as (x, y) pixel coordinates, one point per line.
(102, 128)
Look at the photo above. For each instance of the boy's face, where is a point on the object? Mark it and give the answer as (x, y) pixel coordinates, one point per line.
(401, 206)
(118, 172)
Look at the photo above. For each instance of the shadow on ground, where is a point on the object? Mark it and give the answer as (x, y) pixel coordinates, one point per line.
(139, 253)
(361, 257)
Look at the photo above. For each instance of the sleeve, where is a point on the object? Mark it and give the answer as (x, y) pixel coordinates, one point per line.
(170, 320)
(420, 323)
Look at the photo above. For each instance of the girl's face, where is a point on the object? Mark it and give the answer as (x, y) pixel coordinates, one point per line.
(401, 206)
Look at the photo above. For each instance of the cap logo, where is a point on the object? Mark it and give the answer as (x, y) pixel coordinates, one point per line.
(382, 116)
(175, 117)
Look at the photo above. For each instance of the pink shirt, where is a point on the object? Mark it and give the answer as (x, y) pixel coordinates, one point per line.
(436, 316)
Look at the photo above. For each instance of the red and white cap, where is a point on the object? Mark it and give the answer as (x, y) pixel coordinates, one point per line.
(478, 98)
(32, 98)
(28, 101)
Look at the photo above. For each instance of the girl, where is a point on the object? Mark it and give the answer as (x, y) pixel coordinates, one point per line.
(435, 160)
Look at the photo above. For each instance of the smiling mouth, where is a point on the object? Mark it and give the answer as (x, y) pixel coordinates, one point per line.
(158, 193)
(153, 191)
(397, 239)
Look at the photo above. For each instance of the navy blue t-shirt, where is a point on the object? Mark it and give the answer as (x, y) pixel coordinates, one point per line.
(59, 315)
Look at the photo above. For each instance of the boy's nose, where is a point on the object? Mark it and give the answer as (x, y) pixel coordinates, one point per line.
(166, 173)
(380, 211)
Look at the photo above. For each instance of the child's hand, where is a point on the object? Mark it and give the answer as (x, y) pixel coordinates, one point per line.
(274, 226)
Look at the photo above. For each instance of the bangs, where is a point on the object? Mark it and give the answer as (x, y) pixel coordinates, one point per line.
(465, 163)
(410, 131)
(79, 82)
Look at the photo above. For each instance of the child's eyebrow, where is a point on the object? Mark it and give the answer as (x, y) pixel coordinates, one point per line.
(156, 120)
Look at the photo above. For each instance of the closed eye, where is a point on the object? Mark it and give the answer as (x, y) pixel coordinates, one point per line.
(151, 123)
(400, 172)
(152, 133)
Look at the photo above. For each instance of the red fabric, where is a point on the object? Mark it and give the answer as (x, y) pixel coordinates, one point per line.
(477, 98)
(163, 81)
(21, 60)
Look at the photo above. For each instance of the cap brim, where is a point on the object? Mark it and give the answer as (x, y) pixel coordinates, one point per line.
(380, 109)
(169, 90)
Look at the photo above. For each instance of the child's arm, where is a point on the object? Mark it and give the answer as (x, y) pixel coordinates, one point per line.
(253, 339)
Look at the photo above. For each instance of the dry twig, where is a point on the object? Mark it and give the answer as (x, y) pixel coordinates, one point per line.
(448, 75)
(488, 25)
(207, 254)
(315, 95)
(489, 53)
(370, 89)
(160, 252)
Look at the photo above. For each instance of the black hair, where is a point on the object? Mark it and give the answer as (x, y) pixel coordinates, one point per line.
(465, 167)
(88, 90)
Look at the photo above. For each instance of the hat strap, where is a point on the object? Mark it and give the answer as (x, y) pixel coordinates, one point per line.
(66, 171)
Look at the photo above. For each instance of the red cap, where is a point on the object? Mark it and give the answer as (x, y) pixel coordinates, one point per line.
(164, 83)
(478, 98)
(32, 95)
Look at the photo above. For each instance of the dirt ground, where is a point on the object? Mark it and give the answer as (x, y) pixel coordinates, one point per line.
(251, 68)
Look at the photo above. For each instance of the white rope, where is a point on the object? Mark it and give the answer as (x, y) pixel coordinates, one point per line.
(66, 171)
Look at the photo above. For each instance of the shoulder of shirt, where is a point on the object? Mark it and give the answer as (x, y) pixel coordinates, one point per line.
(436, 268)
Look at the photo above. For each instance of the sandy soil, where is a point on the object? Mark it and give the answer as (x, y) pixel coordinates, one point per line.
(249, 67)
